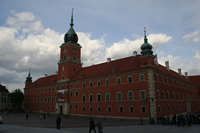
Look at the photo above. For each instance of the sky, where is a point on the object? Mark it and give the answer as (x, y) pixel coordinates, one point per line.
(32, 31)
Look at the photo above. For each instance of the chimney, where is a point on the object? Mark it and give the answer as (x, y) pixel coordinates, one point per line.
(108, 60)
(179, 71)
(167, 65)
(186, 75)
(156, 59)
(134, 53)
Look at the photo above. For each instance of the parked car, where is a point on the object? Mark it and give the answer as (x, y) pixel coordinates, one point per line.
(1, 120)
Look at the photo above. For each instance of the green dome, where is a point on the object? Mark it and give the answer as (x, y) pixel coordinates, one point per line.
(71, 35)
(29, 78)
(146, 47)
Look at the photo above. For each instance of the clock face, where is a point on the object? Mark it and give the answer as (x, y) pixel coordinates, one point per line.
(64, 51)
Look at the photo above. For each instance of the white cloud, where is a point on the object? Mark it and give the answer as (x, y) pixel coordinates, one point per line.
(25, 20)
(126, 46)
(192, 37)
(174, 61)
(92, 50)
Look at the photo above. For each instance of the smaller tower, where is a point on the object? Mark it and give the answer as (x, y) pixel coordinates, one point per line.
(147, 58)
(146, 47)
(29, 78)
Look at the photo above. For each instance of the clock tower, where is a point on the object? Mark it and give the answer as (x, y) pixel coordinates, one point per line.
(70, 55)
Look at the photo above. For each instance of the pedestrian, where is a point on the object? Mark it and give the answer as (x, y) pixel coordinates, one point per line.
(26, 116)
(40, 117)
(44, 116)
(92, 125)
(100, 127)
(58, 122)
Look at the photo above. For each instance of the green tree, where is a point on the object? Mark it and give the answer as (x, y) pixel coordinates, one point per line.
(17, 98)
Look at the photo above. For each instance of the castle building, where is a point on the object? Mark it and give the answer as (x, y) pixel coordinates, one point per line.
(131, 87)
(5, 99)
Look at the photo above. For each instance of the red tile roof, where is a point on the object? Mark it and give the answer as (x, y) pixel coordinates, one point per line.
(108, 68)
(44, 81)
(123, 65)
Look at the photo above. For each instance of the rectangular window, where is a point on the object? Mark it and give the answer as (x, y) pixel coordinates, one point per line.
(98, 97)
(142, 95)
(118, 80)
(131, 109)
(83, 108)
(183, 96)
(90, 84)
(121, 109)
(156, 77)
(109, 108)
(90, 108)
(98, 83)
(83, 98)
(119, 96)
(130, 95)
(174, 98)
(52, 99)
(76, 93)
(168, 95)
(107, 97)
(129, 79)
(71, 94)
(98, 109)
(107, 82)
(143, 109)
(91, 97)
(161, 79)
(41, 99)
(141, 77)
(83, 84)
(166, 80)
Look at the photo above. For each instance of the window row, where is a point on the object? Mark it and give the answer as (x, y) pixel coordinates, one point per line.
(107, 82)
(40, 100)
(162, 95)
(109, 108)
(43, 90)
(130, 96)
(179, 84)
(168, 108)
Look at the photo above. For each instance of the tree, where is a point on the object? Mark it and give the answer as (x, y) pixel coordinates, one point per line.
(17, 98)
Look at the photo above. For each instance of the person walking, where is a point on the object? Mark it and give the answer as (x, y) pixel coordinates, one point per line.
(58, 122)
(26, 116)
(100, 127)
(92, 125)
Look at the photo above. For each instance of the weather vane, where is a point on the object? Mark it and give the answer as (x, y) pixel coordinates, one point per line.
(144, 31)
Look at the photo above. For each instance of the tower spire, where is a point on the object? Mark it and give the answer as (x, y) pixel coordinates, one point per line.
(145, 36)
(72, 18)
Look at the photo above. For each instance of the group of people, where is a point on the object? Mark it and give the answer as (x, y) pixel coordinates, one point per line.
(93, 125)
(176, 119)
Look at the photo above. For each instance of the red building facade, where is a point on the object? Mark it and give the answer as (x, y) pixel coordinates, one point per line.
(131, 87)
